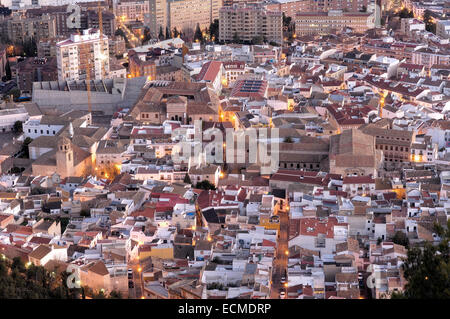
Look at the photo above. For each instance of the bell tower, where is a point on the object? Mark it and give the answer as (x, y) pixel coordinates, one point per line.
(64, 157)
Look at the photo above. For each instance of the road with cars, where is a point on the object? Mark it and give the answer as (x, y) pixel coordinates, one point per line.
(279, 273)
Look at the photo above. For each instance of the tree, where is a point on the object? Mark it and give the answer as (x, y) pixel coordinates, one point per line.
(20, 281)
(146, 36)
(405, 13)
(109, 171)
(428, 20)
(119, 32)
(24, 149)
(115, 295)
(15, 92)
(175, 32)
(205, 184)
(286, 21)
(29, 48)
(161, 33)
(85, 213)
(258, 40)
(8, 71)
(198, 35)
(427, 270)
(214, 30)
(18, 127)
(236, 38)
(187, 179)
(400, 238)
(168, 35)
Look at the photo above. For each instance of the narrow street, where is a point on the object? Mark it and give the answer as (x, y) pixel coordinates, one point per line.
(136, 291)
(281, 261)
(133, 40)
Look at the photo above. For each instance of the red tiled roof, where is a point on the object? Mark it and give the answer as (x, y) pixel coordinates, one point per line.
(358, 180)
(209, 71)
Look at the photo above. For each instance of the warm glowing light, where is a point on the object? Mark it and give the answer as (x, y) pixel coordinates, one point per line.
(194, 227)
(286, 284)
(209, 238)
(286, 252)
(221, 175)
(139, 269)
(142, 297)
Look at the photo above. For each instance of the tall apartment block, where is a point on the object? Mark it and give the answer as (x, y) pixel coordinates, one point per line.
(75, 54)
(131, 10)
(291, 7)
(349, 5)
(20, 28)
(181, 14)
(88, 19)
(187, 13)
(312, 23)
(156, 18)
(250, 21)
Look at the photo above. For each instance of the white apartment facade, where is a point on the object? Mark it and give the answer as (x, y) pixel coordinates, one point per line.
(82, 52)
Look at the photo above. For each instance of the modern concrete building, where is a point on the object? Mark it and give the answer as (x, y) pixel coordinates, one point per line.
(311, 23)
(21, 28)
(107, 95)
(443, 29)
(80, 50)
(181, 14)
(248, 22)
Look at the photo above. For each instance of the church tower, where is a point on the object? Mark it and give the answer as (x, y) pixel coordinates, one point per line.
(64, 157)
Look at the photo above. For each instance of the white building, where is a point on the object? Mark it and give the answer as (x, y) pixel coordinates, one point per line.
(10, 116)
(82, 52)
(443, 29)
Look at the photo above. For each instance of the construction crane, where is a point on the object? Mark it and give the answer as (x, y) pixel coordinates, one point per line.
(88, 64)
